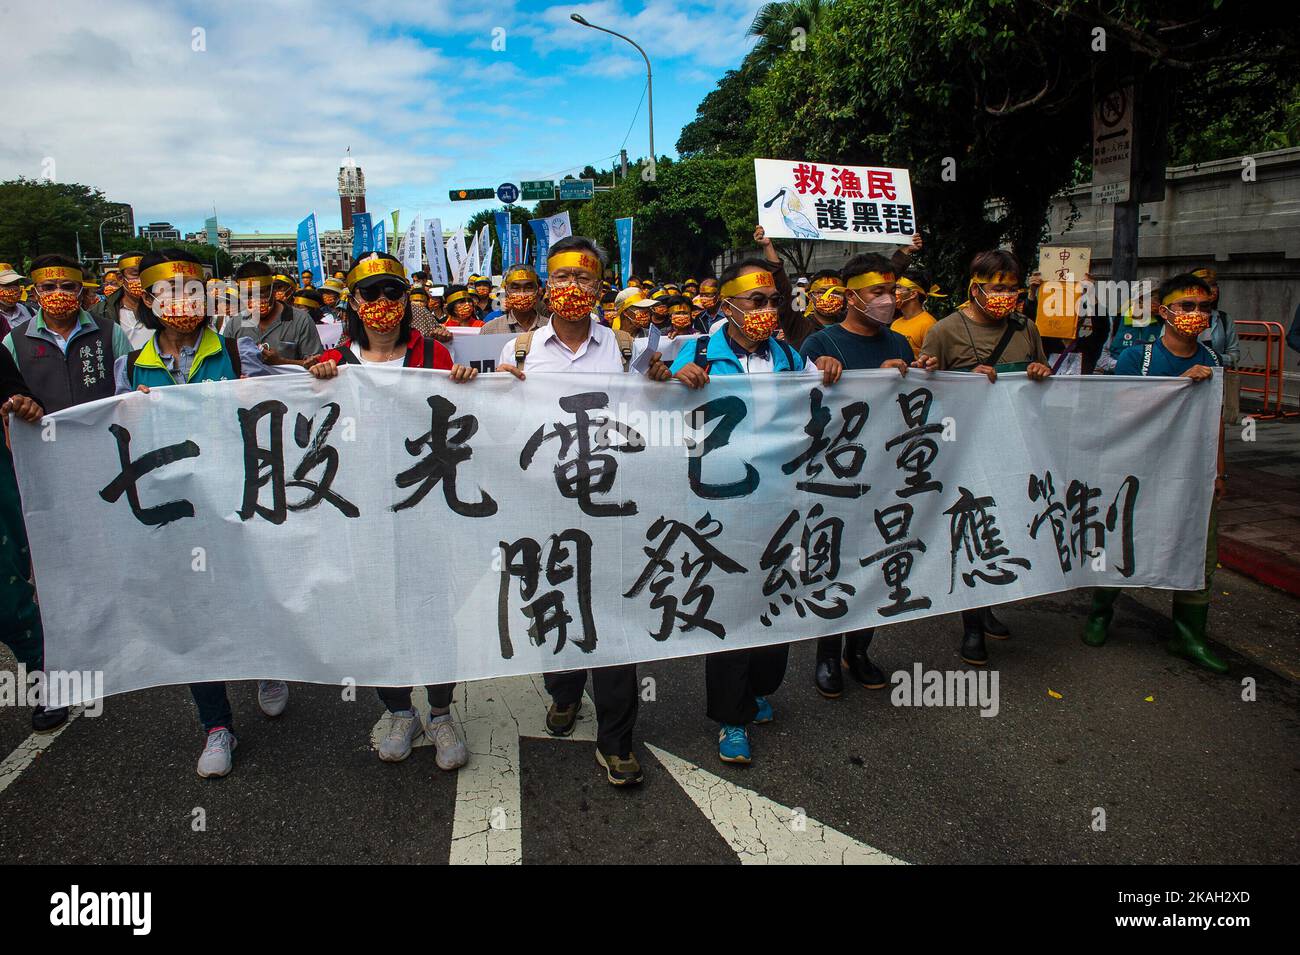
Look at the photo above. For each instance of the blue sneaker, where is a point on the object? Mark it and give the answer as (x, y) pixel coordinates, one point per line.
(733, 744)
(764, 714)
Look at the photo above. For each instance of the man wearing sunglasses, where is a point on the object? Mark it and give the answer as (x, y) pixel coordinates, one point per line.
(1185, 304)
(284, 333)
(738, 682)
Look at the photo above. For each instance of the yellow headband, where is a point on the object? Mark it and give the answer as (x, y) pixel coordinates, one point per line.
(130, 261)
(826, 282)
(376, 266)
(867, 279)
(261, 281)
(932, 291)
(455, 297)
(573, 260)
(996, 278)
(55, 273)
(743, 283)
(519, 275)
(305, 302)
(1173, 296)
(166, 271)
(832, 290)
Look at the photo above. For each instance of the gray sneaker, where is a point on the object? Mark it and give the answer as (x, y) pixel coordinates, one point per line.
(272, 696)
(403, 727)
(218, 753)
(441, 731)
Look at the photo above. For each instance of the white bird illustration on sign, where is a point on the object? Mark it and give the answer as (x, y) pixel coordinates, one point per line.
(795, 221)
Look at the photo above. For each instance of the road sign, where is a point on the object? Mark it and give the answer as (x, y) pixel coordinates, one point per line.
(577, 188)
(459, 194)
(507, 192)
(1112, 146)
(531, 189)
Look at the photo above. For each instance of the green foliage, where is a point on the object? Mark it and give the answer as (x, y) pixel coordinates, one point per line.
(38, 217)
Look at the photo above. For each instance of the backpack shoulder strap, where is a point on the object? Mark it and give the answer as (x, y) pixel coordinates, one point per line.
(1007, 334)
(523, 343)
(232, 352)
(625, 347)
(130, 366)
(702, 352)
(1147, 349)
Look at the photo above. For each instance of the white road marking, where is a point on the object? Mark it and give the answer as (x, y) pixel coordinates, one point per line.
(493, 715)
(26, 752)
(759, 830)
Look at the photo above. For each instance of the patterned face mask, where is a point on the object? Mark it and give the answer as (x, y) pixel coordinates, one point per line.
(10, 295)
(60, 304)
(998, 304)
(759, 324)
(1190, 324)
(681, 319)
(381, 315)
(134, 288)
(463, 310)
(571, 301)
(520, 301)
(184, 316)
(829, 304)
(640, 317)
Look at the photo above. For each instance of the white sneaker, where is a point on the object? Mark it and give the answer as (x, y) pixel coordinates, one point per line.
(272, 696)
(218, 753)
(403, 727)
(452, 753)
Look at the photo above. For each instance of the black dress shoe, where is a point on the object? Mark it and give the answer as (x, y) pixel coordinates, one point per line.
(859, 664)
(993, 627)
(830, 683)
(47, 721)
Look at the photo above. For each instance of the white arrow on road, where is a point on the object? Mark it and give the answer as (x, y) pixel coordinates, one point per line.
(487, 830)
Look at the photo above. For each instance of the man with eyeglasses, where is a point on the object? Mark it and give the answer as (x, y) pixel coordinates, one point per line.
(520, 311)
(1185, 304)
(576, 341)
(284, 333)
(738, 682)
(123, 303)
(65, 355)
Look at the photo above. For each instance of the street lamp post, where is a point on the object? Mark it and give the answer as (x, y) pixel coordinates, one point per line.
(116, 215)
(649, 83)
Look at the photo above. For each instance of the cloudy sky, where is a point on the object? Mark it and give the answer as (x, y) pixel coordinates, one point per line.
(178, 106)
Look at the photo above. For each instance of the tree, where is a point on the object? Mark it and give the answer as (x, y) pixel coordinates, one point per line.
(992, 99)
(38, 216)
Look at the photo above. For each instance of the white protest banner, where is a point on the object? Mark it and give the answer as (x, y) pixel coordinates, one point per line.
(456, 255)
(412, 255)
(484, 266)
(180, 536)
(471, 260)
(808, 200)
(435, 252)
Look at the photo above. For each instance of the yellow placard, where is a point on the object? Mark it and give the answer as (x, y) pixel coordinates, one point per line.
(1058, 309)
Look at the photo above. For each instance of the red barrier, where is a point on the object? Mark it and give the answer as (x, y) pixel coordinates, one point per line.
(1274, 338)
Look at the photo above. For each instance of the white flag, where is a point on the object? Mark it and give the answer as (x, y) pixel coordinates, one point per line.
(411, 256)
(433, 249)
(456, 254)
(471, 261)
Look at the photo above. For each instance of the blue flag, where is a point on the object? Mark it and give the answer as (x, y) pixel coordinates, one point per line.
(623, 231)
(362, 240)
(379, 241)
(309, 250)
(517, 242)
(503, 239)
(542, 244)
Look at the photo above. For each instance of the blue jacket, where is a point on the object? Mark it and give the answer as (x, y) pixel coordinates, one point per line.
(720, 357)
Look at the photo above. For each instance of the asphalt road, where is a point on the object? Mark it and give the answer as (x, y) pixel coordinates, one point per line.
(1196, 774)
